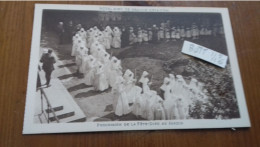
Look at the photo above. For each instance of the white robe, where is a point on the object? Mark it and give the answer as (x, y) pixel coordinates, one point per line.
(115, 72)
(122, 106)
(139, 103)
(90, 74)
(100, 81)
(107, 39)
(159, 112)
(146, 88)
(83, 54)
(130, 89)
(116, 42)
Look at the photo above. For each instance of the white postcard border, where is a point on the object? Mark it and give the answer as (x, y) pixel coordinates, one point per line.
(31, 128)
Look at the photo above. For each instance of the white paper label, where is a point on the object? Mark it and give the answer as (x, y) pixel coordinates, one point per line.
(204, 53)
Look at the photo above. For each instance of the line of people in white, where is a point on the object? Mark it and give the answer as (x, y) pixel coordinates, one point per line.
(103, 71)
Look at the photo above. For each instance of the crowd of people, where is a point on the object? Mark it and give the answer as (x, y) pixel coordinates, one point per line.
(102, 71)
(129, 35)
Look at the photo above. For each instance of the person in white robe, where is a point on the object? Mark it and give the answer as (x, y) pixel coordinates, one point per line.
(139, 103)
(129, 85)
(75, 44)
(110, 33)
(90, 72)
(107, 39)
(78, 59)
(188, 33)
(132, 36)
(95, 49)
(145, 36)
(121, 105)
(150, 34)
(84, 58)
(181, 109)
(161, 33)
(202, 30)
(100, 54)
(116, 42)
(173, 33)
(90, 37)
(182, 32)
(101, 38)
(115, 72)
(168, 96)
(167, 34)
(166, 88)
(83, 34)
(139, 35)
(179, 87)
(178, 33)
(107, 64)
(159, 111)
(193, 31)
(100, 80)
(151, 104)
(145, 82)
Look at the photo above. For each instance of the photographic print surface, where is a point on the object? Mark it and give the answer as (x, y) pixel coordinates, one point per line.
(107, 68)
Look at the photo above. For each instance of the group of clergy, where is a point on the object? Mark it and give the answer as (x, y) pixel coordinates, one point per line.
(102, 71)
(113, 38)
(166, 32)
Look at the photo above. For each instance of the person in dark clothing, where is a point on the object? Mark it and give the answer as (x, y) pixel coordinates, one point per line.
(69, 32)
(155, 34)
(61, 32)
(48, 60)
(125, 37)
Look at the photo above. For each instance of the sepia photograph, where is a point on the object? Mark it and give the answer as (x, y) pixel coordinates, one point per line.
(110, 68)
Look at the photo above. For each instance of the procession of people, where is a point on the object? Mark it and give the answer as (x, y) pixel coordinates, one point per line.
(137, 34)
(103, 71)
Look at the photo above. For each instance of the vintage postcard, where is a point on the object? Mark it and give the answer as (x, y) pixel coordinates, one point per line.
(112, 68)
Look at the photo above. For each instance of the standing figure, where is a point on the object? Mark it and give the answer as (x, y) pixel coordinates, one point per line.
(121, 106)
(139, 35)
(90, 72)
(83, 34)
(125, 37)
(61, 32)
(76, 42)
(116, 71)
(145, 36)
(167, 34)
(150, 34)
(84, 55)
(182, 32)
(69, 31)
(107, 41)
(138, 106)
(100, 81)
(173, 34)
(155, 34)
(132, 36)
(129, 85)
(161, 34)
(159, 111)
(48, 60)
(145, 82)
(168, 97)
(116, 42)
(188, 33)
(178, 33)
(181, 109)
